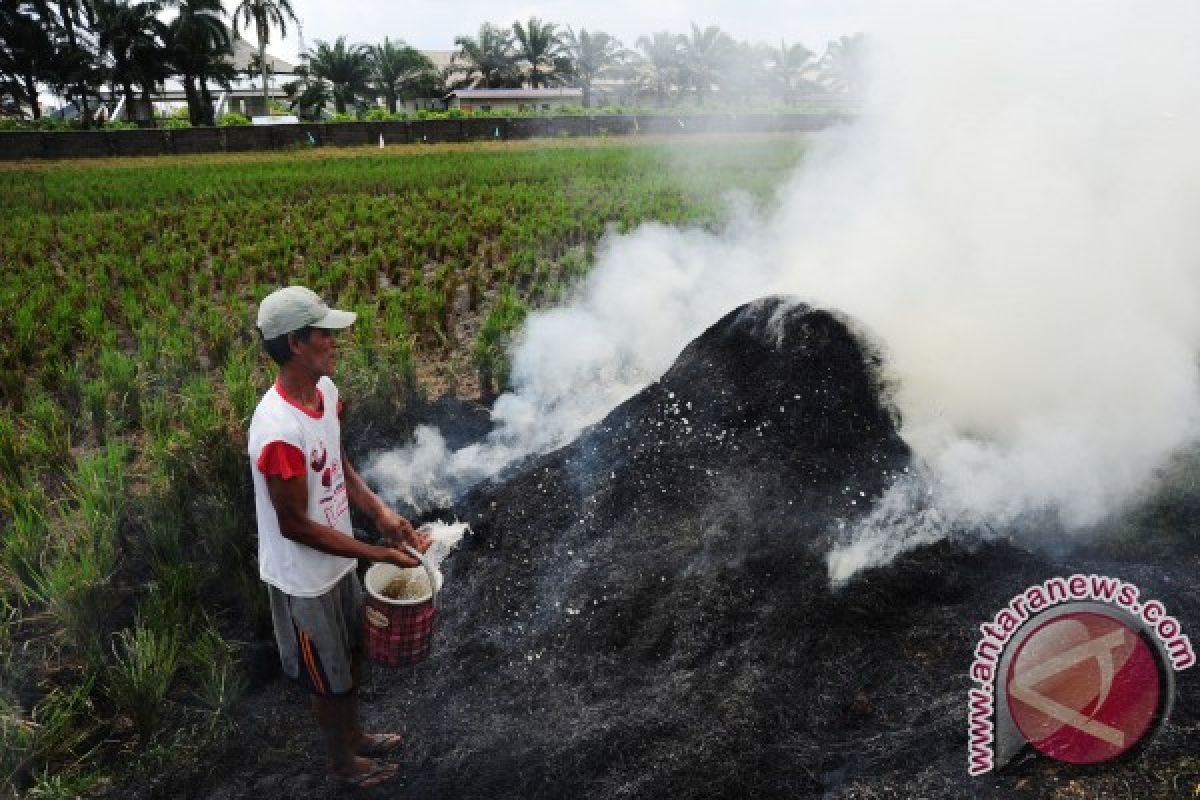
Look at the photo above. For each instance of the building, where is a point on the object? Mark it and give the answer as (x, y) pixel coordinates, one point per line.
(513, 99)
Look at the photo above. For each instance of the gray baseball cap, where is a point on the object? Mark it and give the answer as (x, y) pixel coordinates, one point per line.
(293, 307)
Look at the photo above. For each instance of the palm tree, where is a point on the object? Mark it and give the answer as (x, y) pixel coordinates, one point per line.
(591, 55)
(842, 65)
(77, 70)
(792, 69)
(659, 67)
(538, 45)
(198, 46)
(131, 34)
(265, 14)
(347, 69)
(308, 96)
(490, 56)
(705, 57)
(397, 68)
(27, 52)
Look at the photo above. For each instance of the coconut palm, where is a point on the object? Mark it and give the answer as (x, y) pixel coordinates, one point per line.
(77, 71)
(198, 44)
(27, 51)
(538, 44)
(591, 55)
(490, 56)
(346, 68)
(265, 15)
(397, 69)
(705, 55)
(658, 69)
(307, 95)
(792, 69)
(131, 36)
(842, 65)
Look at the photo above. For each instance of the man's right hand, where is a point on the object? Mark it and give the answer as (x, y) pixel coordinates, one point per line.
(394, 555)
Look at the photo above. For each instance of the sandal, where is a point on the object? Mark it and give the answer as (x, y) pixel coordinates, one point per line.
(380, 744)
(377, 775)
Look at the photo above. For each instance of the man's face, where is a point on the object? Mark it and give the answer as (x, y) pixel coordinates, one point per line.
(319, 354)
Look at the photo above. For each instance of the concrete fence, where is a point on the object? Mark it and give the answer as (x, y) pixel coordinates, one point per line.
(16, 145)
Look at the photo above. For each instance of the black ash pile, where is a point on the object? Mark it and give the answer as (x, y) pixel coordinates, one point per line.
(646, 613)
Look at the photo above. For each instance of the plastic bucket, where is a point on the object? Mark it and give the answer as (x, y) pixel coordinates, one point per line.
(400, 632)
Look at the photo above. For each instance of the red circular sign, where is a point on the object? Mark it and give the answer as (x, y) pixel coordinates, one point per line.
(1083, 687)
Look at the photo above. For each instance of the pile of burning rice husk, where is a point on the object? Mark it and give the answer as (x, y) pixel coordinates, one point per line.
(645, 613)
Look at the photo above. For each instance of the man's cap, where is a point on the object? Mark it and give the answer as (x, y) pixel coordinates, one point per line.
(294, 307)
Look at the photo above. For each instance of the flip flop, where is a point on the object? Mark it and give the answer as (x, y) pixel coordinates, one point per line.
(376, 776)
(380, 744)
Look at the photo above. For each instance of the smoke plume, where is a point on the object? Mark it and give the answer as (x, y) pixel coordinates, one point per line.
(1012, 217)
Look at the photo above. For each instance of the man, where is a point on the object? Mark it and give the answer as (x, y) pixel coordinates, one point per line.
(304, 487)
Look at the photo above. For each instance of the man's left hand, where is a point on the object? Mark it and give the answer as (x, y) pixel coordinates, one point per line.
(397, 530)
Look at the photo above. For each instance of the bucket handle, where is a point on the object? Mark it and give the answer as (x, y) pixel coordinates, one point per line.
(429, 570)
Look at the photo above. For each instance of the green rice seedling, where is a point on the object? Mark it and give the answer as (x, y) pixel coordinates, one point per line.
(175, 596)
(199, 411)
(46, 438)
(24, 540)
(94, 327)
(98, 490)
(64, 723)
(25, 324)
(10, 461)
(156, 420)
(63, 786)
(218, 684)
(71, 580)
(70, 585)
(364, 330)
(17, 737)
(240, 387)
(95, 401)
(119, 372)
(491, 345)
(145, 660)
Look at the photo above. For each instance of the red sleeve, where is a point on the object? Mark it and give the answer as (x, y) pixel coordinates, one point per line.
(341, 405)
(281, 459)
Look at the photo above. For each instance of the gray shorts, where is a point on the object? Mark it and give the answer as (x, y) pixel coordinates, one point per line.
(319, 636)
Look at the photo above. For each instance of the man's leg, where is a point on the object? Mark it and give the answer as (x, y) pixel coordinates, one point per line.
(367, 744)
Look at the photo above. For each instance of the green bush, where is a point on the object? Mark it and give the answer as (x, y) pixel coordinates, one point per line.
(382, 115)
(232, 120)
(120, 125)
(343, 116)
(173, 123)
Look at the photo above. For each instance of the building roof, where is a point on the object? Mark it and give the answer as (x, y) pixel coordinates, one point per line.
(442, 59)
(515, 94)
(244, 51)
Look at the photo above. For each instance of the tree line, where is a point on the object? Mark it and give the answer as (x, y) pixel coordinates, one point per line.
(78, 48)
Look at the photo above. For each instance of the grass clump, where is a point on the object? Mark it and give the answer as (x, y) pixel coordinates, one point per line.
(146, 659)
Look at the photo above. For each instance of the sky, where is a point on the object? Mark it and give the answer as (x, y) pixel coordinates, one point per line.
(431, 25)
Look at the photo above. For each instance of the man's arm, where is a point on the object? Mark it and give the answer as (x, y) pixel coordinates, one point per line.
(395, 528)
(290, 498)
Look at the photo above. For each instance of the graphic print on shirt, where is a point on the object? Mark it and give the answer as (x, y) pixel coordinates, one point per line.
(333, 499)
(317, 459)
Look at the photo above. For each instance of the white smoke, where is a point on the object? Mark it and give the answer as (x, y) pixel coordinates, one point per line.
(1013, 217)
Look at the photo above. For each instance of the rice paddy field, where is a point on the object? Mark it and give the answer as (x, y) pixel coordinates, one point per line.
(130, 366)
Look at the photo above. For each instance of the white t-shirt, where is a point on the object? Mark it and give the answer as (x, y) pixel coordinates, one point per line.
(295, 568)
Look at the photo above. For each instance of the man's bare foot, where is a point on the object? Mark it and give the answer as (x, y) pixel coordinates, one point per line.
(363, 773)
(377, 744)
